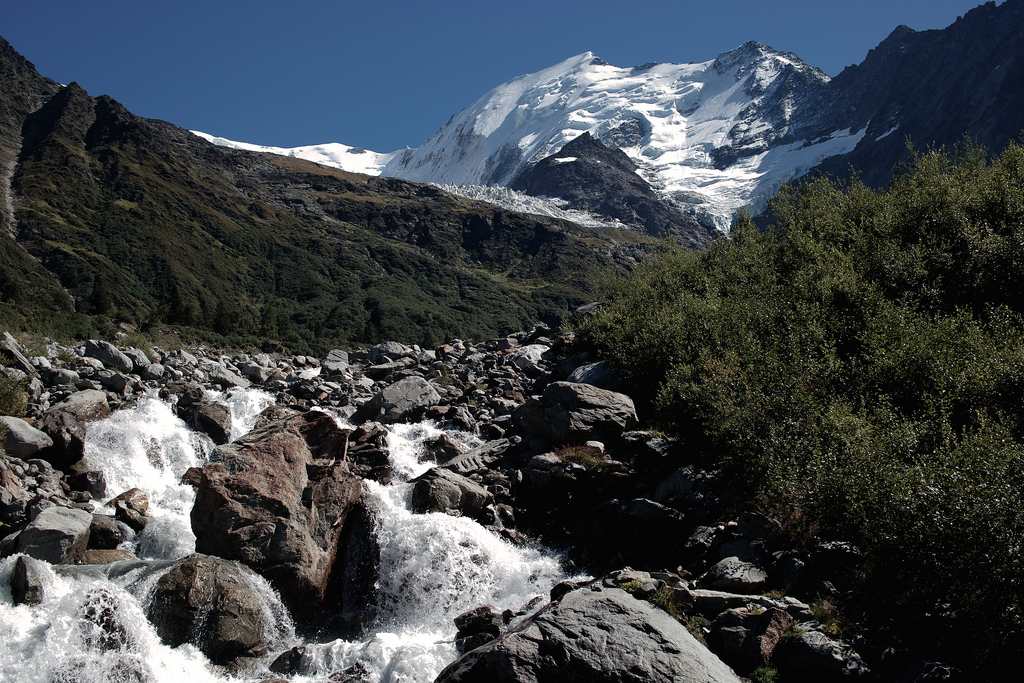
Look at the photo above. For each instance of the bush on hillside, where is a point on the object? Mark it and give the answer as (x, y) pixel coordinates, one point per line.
(859, 367)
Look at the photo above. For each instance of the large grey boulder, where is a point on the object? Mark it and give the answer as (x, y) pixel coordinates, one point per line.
(576, 412)
(226, 378)
(22, 440)
(599, 374)
(57, 535)
(109, 355)
(529, 358)
(139, 359)
(441, 490)
(405, 399)
(391, 349)
(13, 354)
(65, 424)
(594, 634)
(733, 575)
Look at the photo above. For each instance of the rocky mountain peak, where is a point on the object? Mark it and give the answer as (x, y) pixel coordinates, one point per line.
(604, 181)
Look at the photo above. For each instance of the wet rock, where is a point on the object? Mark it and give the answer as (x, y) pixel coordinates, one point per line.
(57, 535)
(441, 490)
(106, 556)
(101, 624)
(208, 602)
(277, 500)
(476, 627)
(592, 634)
(130, 508)
(65, 424)
(107, 533)
(212, 419)
(26, 582)
(288, 663)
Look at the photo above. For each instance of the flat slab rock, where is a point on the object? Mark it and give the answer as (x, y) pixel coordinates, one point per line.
(593, 634)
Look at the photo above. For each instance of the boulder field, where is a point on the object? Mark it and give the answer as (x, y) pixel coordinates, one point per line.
(693, 585)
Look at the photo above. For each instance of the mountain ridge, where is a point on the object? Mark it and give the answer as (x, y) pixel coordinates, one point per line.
(136, 219)
(717, 136)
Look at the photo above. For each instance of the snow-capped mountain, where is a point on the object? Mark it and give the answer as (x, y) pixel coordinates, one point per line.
(716, 136)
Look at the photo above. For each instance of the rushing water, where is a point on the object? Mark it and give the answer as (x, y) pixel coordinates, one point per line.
(432, 568)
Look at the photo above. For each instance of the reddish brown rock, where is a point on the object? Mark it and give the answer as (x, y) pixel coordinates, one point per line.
(278, 500)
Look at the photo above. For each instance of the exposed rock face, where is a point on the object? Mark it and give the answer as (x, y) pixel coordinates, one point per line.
(65, 424)
(604, 181)
(206, 601)
(577, 412)
(746, 639)
(593, 634)
(278, 500)
(212, 419)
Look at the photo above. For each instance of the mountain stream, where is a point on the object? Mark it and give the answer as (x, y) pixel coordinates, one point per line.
(432, 568)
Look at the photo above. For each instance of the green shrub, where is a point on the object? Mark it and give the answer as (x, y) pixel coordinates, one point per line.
(858, 368)
(764, 674)
(13, 397)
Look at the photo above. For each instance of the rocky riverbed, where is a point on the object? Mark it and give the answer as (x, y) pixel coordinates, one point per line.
(690, 584)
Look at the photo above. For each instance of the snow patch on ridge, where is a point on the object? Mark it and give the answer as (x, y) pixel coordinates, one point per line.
(335, 154)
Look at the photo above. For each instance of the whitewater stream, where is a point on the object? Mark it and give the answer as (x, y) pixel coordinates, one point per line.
(432, 568)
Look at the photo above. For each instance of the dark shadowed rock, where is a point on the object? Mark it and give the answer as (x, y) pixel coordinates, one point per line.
(26, 582)
(813, 656)
(576, 412)
(65, 424)
(212, 419)
(278, 500)
(747, 639)
(597, 635)
(207, 601)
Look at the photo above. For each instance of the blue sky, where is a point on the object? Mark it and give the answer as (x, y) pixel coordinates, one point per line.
(386, 74)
